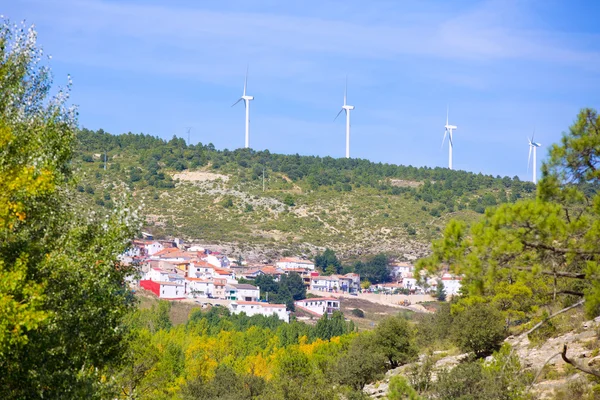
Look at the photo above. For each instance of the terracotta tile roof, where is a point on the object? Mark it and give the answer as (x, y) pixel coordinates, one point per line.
(187, 278)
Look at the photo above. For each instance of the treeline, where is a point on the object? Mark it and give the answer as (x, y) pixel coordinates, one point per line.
(216, 355)
(452, 189)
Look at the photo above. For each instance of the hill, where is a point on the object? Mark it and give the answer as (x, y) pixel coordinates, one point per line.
(303, 204)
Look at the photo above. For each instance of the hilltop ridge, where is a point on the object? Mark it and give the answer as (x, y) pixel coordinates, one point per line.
(266, 204)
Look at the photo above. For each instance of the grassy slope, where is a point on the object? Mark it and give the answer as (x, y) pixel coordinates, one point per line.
(359, 222)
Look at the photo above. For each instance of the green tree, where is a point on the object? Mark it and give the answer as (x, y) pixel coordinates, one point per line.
(328, 262)
(543, 250)
(479, 328)
(63, 294)
(363, 363)
(399, 389)
(395, 338)
(294, 283)
(440, 291)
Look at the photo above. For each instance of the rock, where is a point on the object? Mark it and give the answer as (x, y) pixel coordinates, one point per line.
(594, 362)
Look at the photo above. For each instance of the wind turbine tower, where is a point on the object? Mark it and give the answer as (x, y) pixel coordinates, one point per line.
(347, 108)
(533, 147)
(448, 131)
(246, 99)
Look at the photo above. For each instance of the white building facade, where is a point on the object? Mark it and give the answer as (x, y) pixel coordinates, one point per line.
(251, 308)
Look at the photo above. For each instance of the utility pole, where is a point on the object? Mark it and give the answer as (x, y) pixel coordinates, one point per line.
(189, 129)
(263, 179)
(105, 160)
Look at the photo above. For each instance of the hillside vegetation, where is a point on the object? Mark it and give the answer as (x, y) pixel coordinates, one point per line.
(351, 205)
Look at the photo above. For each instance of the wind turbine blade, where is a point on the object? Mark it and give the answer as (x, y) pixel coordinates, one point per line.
(240, 99)
(533, 136)
(346, 90)
(529, 159)
(450, 138)
(338, 114)
(444, 139)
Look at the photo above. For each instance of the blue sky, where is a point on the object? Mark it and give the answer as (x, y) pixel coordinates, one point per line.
(504, 67)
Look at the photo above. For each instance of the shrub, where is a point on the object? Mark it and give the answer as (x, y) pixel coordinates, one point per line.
(357, 312)
(479, 328)
(288, 200)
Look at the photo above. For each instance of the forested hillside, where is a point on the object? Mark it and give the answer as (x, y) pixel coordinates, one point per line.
(352, 205)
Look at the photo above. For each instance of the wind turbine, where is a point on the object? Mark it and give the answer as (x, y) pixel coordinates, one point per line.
(533, 146)
(448, 131)
(246, 99)
(347, 109)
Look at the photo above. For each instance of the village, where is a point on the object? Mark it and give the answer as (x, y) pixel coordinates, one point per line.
(173, 270)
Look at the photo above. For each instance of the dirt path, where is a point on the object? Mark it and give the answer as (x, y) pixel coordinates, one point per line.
(394, 300)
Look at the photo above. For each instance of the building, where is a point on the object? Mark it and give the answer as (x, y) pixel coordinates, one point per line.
(165, 290)
(451, 284)
(292, 262)
(349, 283)
(251, 308)
(242, 291)
(401, 269)
(217, 260)
(319, 305)
(153, 248)
(198, 287)
(266, 270)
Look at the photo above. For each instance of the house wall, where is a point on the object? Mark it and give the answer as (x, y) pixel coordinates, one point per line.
(319, 306)
(258, 309)
(248, 294)
(291, 264)
(153, 248)
(169, 291)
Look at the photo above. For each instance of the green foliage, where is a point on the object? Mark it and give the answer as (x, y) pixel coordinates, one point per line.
(289, 289)
(536, 252)
(63, 293)
(328, 262)
(401, 390)
(375, 269)
(395, 339)
(499, 380)
(433, 330)
(479, 328)
(440, 291)
(357, 312)
(363, 363)
(288, 200)
(367, 201)
(227, 202)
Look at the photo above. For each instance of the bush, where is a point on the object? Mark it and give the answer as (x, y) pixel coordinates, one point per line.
(227, 202)
(288, 200)
(479, 328)
(357, 312)
(395, 338)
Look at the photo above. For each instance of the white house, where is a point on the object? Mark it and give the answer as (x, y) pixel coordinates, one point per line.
(451, 284)
(217, 260)
(292, 262)
(319, 306)
(200, 269)
(401, 269)
(256, 308)
(344, 283)
(153, 248)
(164, 290)
(242, 291)
(157, 275)
(198, 287)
